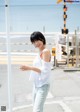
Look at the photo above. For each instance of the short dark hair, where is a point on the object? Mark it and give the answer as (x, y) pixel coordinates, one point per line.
(35, 36)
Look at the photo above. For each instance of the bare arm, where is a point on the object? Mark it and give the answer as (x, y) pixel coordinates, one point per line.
(24, 68)
(45, 57)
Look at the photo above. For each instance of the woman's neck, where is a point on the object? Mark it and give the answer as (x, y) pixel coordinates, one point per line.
(42, 49)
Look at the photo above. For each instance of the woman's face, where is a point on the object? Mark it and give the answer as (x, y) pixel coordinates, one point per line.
(38, 44)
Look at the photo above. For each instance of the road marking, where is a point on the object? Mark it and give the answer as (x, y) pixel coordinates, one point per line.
(20, 107)
(71, 98)
(49, 95)
(24, 97)
(61, 103)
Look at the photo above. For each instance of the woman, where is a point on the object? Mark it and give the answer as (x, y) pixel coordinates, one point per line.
(40, 71)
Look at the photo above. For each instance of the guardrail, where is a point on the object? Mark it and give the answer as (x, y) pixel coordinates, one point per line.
(23, 45)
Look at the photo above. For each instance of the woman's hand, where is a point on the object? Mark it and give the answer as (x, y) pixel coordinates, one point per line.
(24, 68)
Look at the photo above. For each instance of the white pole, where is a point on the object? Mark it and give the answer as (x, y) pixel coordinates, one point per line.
(67, 50)
(77, 49)
(8, 55)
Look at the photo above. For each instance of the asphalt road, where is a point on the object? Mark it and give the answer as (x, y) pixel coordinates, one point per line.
(64, 94)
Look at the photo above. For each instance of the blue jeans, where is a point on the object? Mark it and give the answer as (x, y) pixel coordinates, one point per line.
(39, 97)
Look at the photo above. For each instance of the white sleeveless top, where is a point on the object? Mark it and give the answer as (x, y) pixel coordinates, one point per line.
(41, 78)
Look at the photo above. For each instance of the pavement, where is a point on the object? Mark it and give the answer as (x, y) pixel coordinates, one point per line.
(64, 94)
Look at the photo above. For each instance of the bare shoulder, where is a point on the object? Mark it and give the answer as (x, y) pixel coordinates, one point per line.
(46, 51)
(46, 55)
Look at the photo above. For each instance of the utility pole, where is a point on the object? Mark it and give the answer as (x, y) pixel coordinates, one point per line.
(7, 19)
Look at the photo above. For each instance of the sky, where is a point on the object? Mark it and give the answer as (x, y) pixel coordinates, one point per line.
(35, 14)
(29, 2)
